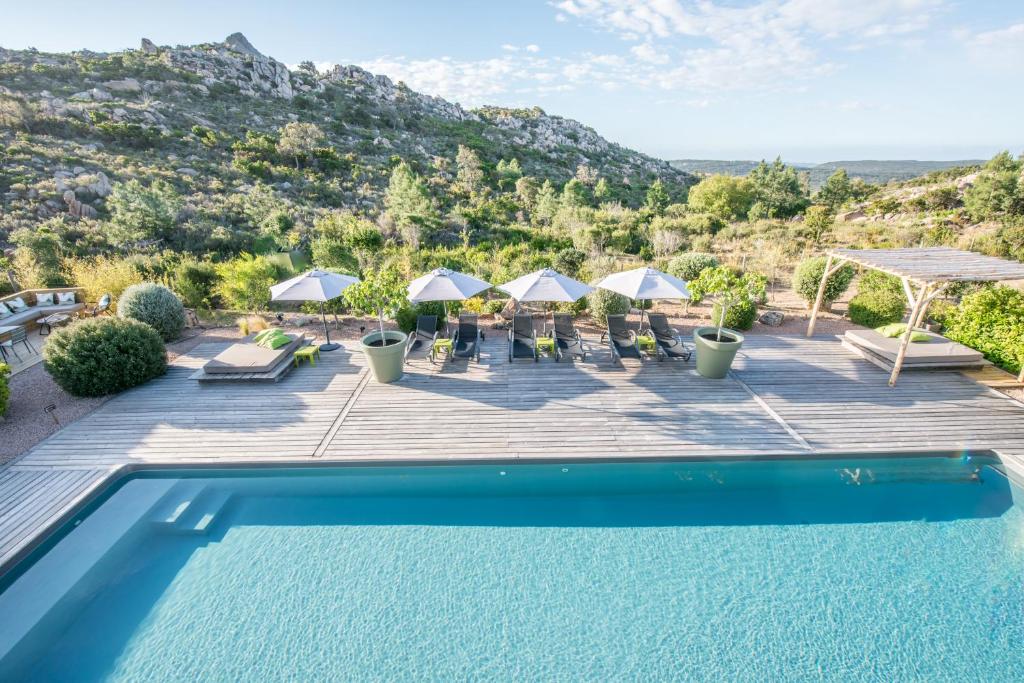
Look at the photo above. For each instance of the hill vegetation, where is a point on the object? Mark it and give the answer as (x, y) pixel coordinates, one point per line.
(878, 172)
(216, 170)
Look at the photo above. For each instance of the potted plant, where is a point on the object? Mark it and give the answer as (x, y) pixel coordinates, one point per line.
(717, 345)
(381, 293)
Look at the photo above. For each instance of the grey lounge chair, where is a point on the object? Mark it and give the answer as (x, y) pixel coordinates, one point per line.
(567, 338)
(423, 337)
(102, 307)
(621, 340)
(668, 340)
(522, 338)
(18, 336)
(466, 342)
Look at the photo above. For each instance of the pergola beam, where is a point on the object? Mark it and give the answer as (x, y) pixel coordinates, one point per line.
(915, 310)
(829, 271)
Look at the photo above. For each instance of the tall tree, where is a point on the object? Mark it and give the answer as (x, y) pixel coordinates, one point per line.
(657, 197)
(469, 178)
(547, 202)
(778, 192)
(409, 205)
(836, 191)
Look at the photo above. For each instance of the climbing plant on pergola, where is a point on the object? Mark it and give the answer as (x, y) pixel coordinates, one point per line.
(925, 273)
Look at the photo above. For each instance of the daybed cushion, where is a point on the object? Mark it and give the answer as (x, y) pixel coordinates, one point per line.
(249, 357)
(894, 330)
(937, 350)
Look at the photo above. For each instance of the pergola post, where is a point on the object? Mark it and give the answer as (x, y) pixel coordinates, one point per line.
(825, 275)
(905, 339)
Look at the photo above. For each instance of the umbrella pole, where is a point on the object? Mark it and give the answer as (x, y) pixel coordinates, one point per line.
(447, 328)
(327, 333)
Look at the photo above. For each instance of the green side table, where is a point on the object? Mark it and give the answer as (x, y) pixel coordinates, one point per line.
(310, 353)
(646, 344)
(442, 345)
(546, 345)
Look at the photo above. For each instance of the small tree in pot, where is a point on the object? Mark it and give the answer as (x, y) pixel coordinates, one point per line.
(381, 293)
(715, 350)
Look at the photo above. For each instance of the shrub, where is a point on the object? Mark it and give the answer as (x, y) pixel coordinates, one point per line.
(194, 282)
(103, 275)
(992, 321)
(381, 292)
(103, 356)
(808, 276)
(739, 316)
(406, 316)
(689, 266)
(245, 282)
(5, 390)
(154, 305)
(603, 303)
(880, 300)
(569, 261)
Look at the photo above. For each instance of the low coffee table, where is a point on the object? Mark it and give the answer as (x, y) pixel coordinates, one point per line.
(47, 324)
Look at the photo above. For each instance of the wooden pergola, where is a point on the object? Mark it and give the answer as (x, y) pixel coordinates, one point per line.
(925, 273)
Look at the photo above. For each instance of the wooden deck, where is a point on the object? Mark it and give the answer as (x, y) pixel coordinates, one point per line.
(786, 395)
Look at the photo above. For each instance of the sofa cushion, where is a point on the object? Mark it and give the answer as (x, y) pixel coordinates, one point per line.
(65, 298)
(17, 304)
(44, 299)
(4, 311)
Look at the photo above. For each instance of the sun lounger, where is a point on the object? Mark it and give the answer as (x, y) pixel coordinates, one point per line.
(249, 357)
(466, 342)
(621, 339)
(567, 338)
(522, 338)
(668, 340)
(937, 352)
(423, 337)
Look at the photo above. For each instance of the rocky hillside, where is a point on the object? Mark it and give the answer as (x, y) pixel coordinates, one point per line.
(198, 116)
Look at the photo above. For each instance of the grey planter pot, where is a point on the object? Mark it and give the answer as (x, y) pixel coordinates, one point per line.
(714, 358)
(385, 361)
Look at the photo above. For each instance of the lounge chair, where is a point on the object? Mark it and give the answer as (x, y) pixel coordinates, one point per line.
(522, 338)
(466, 342)
(567, 338)
(668, 340)
(102, 307)
(17, 336)
(423, 337)
(621, 340)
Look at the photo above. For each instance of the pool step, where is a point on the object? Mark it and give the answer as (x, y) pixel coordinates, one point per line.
(202, 513)
(176, 504)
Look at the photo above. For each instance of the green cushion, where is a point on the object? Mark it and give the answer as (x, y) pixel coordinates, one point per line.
(260, 336)
(275, 341)
(893, 330)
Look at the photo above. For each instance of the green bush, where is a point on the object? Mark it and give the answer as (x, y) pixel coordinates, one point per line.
(406, 316)
(245, 282)
(808, 276)
(194, 282)
(689, 266)
(991, 321)
(154, 305)
(879, 301)
(739, 316)
(5, 390)
(101, 356)
(603, 303)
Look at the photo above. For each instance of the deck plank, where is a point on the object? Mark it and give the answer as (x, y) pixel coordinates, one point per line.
(787, 395)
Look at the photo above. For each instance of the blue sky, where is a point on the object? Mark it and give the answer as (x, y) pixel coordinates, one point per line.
(812, 80)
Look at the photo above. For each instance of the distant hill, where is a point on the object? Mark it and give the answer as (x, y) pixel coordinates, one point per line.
(871, 171)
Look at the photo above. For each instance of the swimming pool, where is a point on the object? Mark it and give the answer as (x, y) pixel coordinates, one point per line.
(850, 569)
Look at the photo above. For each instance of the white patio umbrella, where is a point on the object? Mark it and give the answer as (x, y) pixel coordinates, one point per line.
(546, 285)
(645, 283)
(316, 285)
(445, 285)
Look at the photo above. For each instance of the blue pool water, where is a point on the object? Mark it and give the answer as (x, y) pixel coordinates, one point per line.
(853, 570)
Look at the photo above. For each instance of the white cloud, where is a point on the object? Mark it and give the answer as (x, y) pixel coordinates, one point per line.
(532, 48)
(1001, 49)
(509, 48)
(646, 52)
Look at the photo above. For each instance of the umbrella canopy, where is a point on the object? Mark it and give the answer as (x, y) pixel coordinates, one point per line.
(445, 285)
(546, 285)
(316, 285)
(646, 283)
